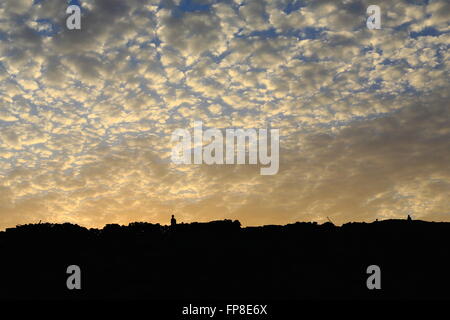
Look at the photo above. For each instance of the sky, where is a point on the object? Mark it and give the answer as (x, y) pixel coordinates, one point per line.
(86, 115)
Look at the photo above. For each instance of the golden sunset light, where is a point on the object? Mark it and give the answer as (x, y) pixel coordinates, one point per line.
(87, 115)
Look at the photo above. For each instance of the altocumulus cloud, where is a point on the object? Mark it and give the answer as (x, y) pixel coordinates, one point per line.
(86, 116)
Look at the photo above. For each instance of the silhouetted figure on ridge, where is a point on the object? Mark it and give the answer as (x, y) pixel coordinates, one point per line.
(409, 218)
(173, 221)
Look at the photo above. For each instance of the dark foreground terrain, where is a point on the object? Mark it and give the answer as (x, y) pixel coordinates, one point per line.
(221, 260)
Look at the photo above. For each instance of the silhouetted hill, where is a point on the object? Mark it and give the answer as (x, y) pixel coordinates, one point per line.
(222, 260)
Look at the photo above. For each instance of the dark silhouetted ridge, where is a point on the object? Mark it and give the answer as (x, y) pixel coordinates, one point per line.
(222, 260)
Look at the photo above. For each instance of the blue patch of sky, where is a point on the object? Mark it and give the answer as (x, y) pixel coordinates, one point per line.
(49, 29)
(410, 90)
(265, 34)
(294, 6)
(440, 57)
(3, 36)
(3, 68)
(403, 27)
(69, 2)
(220, 57)
(156, 41)
(74, 3)
(186, 6)
(367, 49)
(311, 32)
(428, 31)
(307, 59)
(395, 62)
(418, 2)
(301, 34)
(193, 6)
(377, 85)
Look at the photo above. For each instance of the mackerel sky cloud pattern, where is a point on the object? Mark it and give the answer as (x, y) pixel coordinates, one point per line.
(86, 116)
